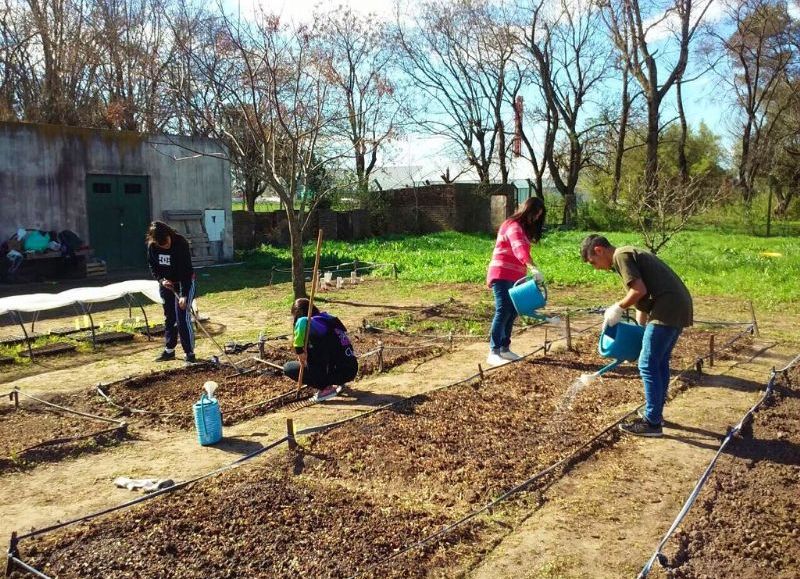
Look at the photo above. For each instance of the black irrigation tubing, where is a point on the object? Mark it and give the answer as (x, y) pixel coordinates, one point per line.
(657, 555)
(68, 439)
(13, 552)
(72, 411)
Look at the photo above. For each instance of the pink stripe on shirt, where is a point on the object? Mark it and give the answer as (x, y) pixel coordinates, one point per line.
(512, 253)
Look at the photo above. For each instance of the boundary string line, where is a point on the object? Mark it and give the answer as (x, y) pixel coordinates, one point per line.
(657, 555)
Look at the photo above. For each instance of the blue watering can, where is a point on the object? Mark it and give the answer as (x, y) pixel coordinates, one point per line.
(528, 297)
(622, 341)
(207, 420)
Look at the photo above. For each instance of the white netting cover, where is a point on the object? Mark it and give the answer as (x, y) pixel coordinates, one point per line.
(41, 302)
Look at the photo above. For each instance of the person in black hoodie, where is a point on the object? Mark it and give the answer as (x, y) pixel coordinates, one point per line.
(170, 261)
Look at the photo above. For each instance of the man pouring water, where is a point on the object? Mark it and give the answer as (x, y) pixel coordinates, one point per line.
(663, 305)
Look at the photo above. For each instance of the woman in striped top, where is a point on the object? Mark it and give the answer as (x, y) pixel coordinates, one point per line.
(510, 261)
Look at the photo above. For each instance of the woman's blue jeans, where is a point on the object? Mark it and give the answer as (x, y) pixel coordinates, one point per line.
(504, 316)
(654, 358)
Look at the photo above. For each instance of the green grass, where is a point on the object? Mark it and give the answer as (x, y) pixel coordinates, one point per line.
(710, 263)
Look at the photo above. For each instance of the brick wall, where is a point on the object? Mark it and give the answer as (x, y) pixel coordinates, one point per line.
(463, 207)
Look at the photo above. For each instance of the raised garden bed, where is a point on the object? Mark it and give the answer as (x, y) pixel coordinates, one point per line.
(746, 521)
(167, 397)
(258, 521)
(357, 493)
(34, 433)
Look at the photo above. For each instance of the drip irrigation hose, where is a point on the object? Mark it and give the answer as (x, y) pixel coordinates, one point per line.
(657, 555)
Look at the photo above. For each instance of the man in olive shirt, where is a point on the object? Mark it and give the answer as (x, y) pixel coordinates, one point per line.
(662, 303)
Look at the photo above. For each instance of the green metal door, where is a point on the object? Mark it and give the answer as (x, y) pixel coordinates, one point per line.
(118, 208)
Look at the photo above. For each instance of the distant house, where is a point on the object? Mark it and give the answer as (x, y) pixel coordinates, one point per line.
(107, 186)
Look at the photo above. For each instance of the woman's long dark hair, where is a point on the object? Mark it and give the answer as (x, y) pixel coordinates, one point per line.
(158, 232)
(300, 309)
(526, 216)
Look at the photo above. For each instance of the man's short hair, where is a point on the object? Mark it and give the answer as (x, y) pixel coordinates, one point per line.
(590, 242)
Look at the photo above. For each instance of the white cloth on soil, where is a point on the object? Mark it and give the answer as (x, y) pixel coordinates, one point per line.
(148, 485)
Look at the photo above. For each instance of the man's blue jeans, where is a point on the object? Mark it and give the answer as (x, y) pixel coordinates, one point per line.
(657, 346)
(504, 316)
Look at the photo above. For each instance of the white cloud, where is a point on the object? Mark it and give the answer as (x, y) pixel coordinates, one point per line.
(663, 28)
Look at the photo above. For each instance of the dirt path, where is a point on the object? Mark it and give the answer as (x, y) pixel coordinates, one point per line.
(39, 494)
(605, 518)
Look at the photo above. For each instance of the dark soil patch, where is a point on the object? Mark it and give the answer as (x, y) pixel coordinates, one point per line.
(253, 522)
(34, 433)
(166, 397)
(464, 445)
(746, 521)
(48, 349)
(108, 337)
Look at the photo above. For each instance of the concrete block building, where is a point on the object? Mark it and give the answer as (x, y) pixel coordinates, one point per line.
(107, 186)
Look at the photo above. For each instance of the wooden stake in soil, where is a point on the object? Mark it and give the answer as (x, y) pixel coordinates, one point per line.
(394, 270)
(308, 314)
(569, 333)
(753, 319)
(290, 433)
(480, 371)
(711, 351)
(271, 275)
(380, 357)
(14, 396)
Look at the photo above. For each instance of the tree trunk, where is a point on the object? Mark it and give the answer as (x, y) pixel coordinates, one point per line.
(298, 265)
(651, 162)
(683, 164)
(745, 183)
(623, 129)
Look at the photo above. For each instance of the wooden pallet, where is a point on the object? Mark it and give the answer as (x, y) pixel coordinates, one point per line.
(96, 269)
(190, 225)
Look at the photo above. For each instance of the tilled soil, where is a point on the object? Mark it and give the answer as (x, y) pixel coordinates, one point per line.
(746, 521)
(463, 445)
(166, 397)
(258, 521)
(23, 429)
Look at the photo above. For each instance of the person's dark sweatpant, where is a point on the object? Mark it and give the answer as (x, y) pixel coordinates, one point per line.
(178, 322)
(317, 377)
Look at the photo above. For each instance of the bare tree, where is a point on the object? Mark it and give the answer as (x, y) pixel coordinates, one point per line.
(642, 32)
(760, 52)
(571, 64)
(457, 55)
(666, 210)
(55, 62)
(134, 39)
(270, 74)
(359, 67)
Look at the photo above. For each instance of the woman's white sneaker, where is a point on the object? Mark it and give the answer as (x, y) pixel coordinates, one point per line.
(496, 360)
(509, 355)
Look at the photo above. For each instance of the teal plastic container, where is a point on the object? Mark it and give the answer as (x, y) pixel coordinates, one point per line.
(207, 420)
(622, 341)
(528, 297)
